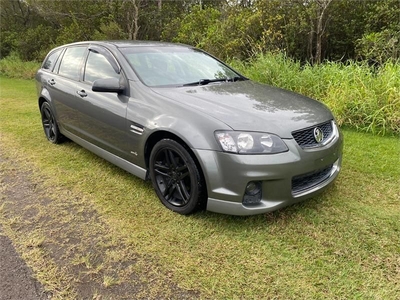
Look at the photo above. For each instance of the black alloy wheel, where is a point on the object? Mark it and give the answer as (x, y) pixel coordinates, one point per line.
(49, 124)
(176, 178)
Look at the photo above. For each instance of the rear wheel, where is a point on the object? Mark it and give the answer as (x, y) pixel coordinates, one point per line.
(176, 177)
(49, 123)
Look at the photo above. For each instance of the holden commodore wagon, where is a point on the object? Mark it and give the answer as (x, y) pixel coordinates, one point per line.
(206, 136)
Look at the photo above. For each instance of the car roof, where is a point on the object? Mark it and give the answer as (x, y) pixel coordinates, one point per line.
(130, 43)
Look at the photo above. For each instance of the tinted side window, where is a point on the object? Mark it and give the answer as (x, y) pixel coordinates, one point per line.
(97, 67)
(51, 60)
(71, 62)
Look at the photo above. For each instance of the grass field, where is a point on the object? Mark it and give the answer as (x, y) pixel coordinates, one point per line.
(93, 221)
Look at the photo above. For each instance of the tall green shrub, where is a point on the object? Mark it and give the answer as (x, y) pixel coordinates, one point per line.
(359, 95)
(13, 67)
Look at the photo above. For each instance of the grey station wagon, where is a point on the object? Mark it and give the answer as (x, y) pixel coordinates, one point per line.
(206, 136)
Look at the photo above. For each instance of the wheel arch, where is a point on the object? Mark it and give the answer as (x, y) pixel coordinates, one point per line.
(41, 101)
(162, 134)
(44, 96)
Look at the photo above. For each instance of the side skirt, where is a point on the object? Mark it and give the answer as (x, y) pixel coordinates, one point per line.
(115, 160)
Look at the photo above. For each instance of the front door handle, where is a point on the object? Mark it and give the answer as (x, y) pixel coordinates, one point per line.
(82, 93)
(51, 81)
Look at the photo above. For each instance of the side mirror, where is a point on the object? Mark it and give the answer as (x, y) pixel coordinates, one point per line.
(108, 85)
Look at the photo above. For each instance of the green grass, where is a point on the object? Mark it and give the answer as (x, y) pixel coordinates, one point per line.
(343, 244)
(359, 96)
(13, 67)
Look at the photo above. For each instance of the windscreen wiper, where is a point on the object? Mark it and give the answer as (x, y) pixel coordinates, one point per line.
(207, 81)
(204, 81)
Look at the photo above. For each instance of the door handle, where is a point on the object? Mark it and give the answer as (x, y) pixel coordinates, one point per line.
(82, 93)
(51, 81)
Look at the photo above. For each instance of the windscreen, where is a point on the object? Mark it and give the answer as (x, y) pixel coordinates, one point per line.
(175, 66)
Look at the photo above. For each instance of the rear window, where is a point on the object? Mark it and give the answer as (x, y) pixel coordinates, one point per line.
(51, 60)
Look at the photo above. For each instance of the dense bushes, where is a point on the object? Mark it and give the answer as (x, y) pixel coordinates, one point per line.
(360, 96)
(364, 97)
(13, 67)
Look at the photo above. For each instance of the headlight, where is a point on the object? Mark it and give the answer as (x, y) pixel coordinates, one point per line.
(245, 141)
(250, 142)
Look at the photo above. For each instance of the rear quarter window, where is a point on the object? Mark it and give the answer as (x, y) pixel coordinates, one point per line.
(51, 60)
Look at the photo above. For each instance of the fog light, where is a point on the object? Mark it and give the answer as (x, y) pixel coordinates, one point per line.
(252, 194)
(253, 188)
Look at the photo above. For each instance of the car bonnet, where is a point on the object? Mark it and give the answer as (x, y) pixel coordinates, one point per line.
(250, 106)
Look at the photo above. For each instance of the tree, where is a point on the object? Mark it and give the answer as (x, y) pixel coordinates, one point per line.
(131, 8)
(306, 30)
(381, 38)
(321, 23)
(15, 17)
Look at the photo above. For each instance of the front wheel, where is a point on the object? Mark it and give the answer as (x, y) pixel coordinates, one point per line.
(176, 177)
(49, 123)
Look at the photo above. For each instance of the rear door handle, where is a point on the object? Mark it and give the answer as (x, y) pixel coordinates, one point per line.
(82, 93)
(51, 81)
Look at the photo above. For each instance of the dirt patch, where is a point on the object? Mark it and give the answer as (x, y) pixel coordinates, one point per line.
(70, 249)
(16, 278)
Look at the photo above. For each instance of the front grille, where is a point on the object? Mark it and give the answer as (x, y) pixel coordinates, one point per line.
(305, 137)
(309, 180)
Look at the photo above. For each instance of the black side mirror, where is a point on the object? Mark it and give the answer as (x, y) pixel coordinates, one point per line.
(108, 85)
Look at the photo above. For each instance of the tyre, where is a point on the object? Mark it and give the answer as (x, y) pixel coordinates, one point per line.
(49, 123)
(176, 178)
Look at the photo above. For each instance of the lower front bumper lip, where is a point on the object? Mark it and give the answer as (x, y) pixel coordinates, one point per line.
(333, 174)
(238, 209)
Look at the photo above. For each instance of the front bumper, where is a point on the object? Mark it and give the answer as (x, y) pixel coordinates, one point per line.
(228, 174)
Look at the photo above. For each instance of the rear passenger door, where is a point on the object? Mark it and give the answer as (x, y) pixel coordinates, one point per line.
(103, 115)
(63, 86)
